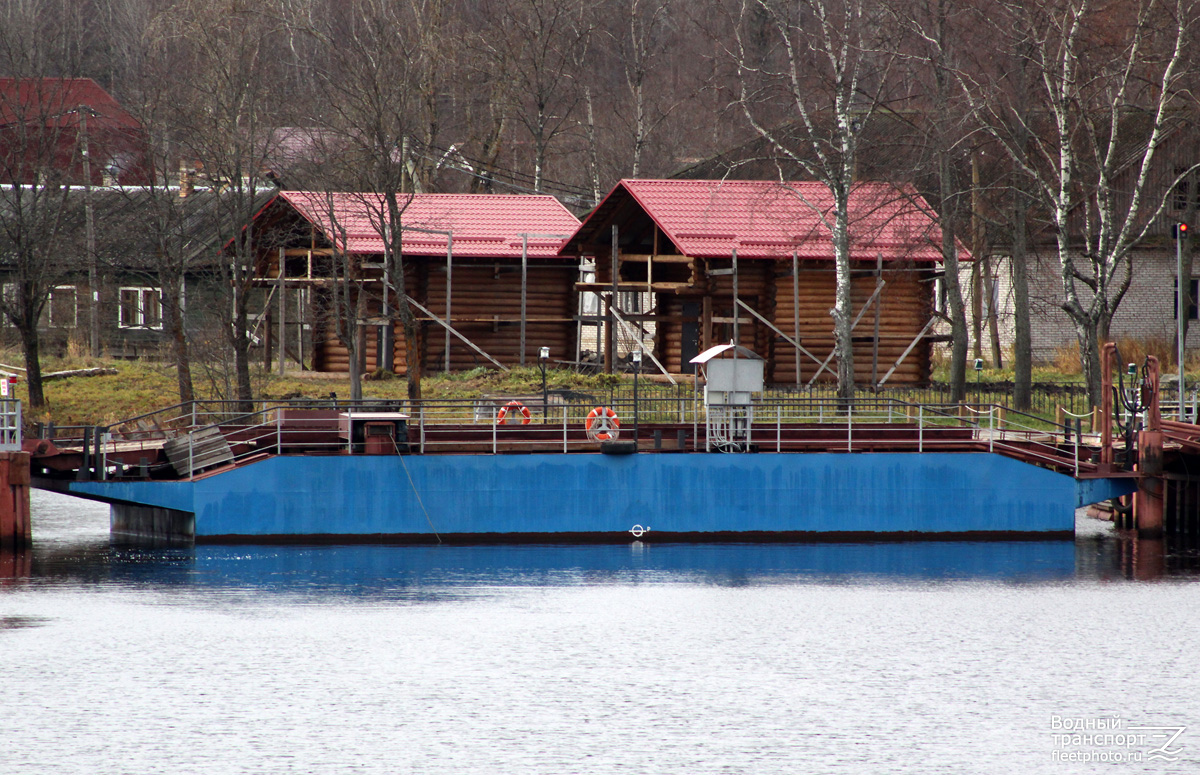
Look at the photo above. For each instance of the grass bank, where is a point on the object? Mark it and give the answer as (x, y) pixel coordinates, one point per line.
(139, 387)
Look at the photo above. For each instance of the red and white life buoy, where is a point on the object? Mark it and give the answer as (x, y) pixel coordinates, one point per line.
(602, 424)
(517, 408)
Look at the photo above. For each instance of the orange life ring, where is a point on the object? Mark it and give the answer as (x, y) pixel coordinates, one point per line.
(517, 408)
(602, 424)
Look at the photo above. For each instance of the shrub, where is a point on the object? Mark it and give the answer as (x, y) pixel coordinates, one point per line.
(1066, 358)
(1136, 350)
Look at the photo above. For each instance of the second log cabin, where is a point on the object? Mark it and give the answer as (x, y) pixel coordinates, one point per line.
(686, 244)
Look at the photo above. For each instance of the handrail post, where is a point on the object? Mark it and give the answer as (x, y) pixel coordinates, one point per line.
(992, 429)
(778, 427)
(102, 444)
(421, 421)
(921, 428)
(191, 455)
(564, 412)
(495, 422)
(1076, 455)
(850, 426)
(278, 432)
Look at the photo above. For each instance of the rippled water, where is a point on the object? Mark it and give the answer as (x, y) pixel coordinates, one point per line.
(908, 658)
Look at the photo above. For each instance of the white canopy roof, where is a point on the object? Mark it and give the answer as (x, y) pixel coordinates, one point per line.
(713, 352)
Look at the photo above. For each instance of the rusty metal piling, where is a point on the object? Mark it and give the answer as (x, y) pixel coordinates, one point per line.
(15, 533)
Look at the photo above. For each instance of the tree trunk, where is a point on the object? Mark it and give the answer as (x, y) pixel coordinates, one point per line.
(1086, 331)
(1023, 341)
(953, 288)
(1022, 329)
(412, 356)
(30, 345)
(993, 317)
(241, 366)
(843, 313)
(171, 287)
(355, 334)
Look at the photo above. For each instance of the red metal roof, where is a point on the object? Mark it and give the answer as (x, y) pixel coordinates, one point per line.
(767, 219)
(484, 225)
(55, 102)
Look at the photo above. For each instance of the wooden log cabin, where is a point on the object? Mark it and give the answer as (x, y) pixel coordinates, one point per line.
(486, 265)
(687, 242)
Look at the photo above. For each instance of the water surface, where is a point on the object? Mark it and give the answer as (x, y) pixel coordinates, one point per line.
(780, 658)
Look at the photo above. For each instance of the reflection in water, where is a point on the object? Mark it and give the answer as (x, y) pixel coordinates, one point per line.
(389, 571)
(72, 546)
(676, 659)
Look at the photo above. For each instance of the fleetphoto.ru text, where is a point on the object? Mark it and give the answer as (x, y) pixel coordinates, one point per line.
(1113, 739)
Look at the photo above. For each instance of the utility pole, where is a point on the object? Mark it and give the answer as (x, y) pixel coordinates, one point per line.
(1181, 306)
(89, 225)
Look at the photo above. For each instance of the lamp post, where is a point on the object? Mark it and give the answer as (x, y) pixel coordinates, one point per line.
(1181, 309)
(543, 359)
(1134, 405)
(636, 355)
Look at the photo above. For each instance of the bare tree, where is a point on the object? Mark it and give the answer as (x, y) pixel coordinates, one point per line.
(380, 83)
(929, 46)
(1108, 84)
(823, 64)
(39, 127)
(542, 46)
(226, 102)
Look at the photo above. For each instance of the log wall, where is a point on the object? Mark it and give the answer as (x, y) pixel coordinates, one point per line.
(754, 288)
(903, 312)
(485, 307)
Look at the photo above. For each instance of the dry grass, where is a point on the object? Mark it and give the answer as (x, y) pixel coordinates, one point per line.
(139, 387)
(1136, 350)
(1066, 359)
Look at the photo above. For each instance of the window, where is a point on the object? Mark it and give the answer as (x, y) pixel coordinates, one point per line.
(8, 294)
(140, 308)
(61, 307)
(1193, 288)
(1179, 195)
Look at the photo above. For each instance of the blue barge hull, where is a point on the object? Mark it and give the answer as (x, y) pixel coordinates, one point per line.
(603, 497)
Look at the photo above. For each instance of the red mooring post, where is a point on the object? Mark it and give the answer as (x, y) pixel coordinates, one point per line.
(1106, 407)
(1148, 502)
(15, 531)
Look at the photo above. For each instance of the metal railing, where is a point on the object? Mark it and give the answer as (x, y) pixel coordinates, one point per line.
(10, 425)
(676, 423)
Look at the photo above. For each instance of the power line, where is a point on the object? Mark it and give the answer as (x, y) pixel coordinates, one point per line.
(516, 180)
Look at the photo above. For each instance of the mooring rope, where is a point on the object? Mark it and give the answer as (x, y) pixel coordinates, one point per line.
(413, 484)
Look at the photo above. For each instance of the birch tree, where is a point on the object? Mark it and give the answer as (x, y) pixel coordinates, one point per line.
(824, 67)
(1109, 79)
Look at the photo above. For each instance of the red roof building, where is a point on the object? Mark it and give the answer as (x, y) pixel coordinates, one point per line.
(676, 245)
(48, 124)
(488, 265)
(482, 225)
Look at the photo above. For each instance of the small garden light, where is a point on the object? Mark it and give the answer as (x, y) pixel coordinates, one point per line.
(543, 359)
